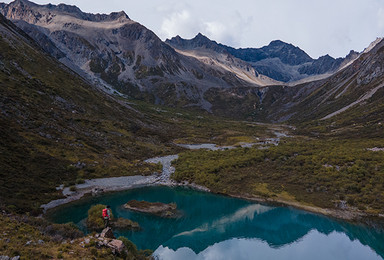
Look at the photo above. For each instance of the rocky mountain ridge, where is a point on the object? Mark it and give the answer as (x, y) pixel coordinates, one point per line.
(119, 54)
(279, 60)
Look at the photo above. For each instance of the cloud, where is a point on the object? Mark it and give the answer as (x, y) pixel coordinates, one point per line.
(380, 18)
(229, 29)
(179, 23)
(318, 27)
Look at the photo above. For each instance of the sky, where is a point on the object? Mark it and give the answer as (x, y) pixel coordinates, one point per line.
(319, 27)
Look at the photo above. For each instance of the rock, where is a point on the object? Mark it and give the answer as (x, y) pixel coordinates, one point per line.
(97, 191)
(103, 242)
(4, 257)
(79, 165)
(28, 243)
(116, 245)
(155, 208)
(40, 242)
(342, 204)
(87, 240)
(107, 233)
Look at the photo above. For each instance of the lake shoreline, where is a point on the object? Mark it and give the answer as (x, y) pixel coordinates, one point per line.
(114, 184)
(110, 185)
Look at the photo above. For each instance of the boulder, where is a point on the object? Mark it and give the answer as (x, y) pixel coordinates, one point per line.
(107, 233)
(116, 245)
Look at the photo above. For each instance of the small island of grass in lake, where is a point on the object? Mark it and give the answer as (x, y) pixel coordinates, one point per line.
(155, 208)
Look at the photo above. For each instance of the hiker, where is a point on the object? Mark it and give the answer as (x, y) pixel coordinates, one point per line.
(107, 215)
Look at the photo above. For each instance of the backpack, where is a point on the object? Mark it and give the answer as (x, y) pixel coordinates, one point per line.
(105, 213)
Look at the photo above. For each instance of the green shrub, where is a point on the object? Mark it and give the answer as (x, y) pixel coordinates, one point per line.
(63, 231)
(80, 181)
(131, 247)
(95, 220)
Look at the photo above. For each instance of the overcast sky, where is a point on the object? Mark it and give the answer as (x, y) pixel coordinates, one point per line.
(318, 27)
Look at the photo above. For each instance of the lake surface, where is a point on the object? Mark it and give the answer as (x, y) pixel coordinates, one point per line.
(218, 227)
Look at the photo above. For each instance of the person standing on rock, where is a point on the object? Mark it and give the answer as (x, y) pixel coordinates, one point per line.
(107, 216)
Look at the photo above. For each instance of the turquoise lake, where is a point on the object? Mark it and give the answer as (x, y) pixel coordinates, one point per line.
(219, 227)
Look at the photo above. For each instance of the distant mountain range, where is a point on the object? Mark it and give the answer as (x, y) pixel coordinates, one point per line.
(275, 83)
(120, 54)
(279, 60)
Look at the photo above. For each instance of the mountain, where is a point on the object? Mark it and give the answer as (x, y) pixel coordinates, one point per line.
(351, 99)
(57, 128)
(279, 60)
(353, 95)
(212, 54)
(120, 54)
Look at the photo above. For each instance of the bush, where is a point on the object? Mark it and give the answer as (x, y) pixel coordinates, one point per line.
(80, 181)
(95, 220)
(63, 231)
(131, 247)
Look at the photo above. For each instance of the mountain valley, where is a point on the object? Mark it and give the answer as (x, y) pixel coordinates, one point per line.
(86, 96)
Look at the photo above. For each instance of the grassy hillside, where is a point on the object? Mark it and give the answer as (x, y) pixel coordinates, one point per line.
(322, 171)
(35, 238)
(56, 128)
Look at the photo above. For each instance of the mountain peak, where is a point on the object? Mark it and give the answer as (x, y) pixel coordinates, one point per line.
(200, 36)
(277, 43)
(19, 7)
(23, 1)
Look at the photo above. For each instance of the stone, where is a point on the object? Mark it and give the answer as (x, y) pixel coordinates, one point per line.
(4, 257)
(116, 245)
(40, 242)
(87, 240)
(97, 191)
(107, 233)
